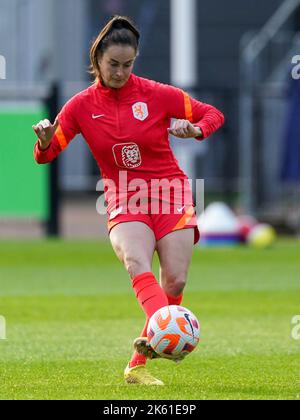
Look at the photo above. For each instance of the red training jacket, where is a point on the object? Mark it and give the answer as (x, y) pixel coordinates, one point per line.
(126, 129)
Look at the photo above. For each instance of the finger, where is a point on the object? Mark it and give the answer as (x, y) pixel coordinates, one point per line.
(39, 134)
(181, 130)
(185, 128)
(35, 129)
(177, 125)
(173, 130)
(56, 123)
(185, 125)
(39, 126)
(177, 134)
(181, 125)
(45, 124)
(41, 130)
(181, 133)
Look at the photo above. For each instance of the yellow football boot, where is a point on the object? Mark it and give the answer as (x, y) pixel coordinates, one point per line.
(139, 375)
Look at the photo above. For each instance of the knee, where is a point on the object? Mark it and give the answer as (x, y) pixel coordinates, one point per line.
(136, 266)
(174, 284)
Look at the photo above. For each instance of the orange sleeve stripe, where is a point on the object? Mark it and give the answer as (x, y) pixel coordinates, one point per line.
(188, 107)
(61, 138)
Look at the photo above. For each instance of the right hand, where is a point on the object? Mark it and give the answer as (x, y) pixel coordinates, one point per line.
(45, 132)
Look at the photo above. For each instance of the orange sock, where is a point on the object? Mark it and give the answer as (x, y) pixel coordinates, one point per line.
(137, 358)
(149, 293)
(151, 298)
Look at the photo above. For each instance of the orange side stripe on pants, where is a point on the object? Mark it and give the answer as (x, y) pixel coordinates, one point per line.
(112, 224)
(61, 138)
(188, 107)
(184, 220)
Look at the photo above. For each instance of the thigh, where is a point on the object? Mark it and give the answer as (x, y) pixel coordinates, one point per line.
(177, 219)
(175, 252)
(134, 243)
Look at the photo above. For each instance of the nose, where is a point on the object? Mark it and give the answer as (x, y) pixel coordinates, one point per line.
(119, 74)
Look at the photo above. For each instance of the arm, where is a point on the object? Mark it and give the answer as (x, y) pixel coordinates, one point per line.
(53, 139)
(195, 118)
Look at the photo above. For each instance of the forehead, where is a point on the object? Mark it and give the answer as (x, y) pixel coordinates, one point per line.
(120, 53)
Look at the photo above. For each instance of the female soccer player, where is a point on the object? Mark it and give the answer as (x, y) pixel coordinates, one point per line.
(125, 121)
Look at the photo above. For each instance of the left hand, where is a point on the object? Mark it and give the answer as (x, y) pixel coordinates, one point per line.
(184, 129)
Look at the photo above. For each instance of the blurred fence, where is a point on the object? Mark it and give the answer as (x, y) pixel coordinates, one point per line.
(27, 191)
(266, 75)
(216, 159)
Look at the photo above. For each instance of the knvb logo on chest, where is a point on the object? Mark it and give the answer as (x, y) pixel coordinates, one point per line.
(140, 111)
(127, 155)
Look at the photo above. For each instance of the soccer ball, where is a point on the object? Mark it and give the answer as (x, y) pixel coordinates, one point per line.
(262, 236)
(173, 332)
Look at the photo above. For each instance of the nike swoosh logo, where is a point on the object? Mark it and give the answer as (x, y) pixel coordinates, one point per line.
(97, 116)
(181, 209)
(115, 213)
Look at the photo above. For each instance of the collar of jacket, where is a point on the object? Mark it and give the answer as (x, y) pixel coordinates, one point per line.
(123, 92)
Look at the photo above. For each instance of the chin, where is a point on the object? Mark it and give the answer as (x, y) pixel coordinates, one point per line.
(116, 84)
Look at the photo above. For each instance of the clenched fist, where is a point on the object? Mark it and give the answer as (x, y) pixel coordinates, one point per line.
(184, 129)
(45, 132)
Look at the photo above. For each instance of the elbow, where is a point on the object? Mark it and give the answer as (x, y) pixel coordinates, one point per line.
(212, 123)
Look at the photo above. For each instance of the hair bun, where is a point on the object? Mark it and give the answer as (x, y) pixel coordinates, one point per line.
(120, 22)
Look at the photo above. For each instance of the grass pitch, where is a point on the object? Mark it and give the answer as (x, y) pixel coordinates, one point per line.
(72, 316)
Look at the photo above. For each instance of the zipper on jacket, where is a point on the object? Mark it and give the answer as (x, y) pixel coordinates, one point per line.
(118, 113)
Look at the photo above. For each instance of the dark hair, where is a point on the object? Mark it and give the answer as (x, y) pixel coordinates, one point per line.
(118, 30)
